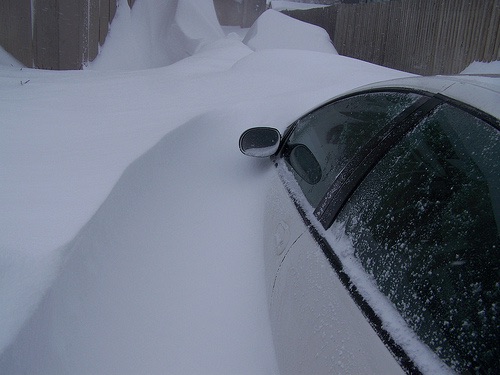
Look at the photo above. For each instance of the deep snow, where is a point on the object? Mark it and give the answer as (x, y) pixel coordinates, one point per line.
(131, 225)
(293, 34)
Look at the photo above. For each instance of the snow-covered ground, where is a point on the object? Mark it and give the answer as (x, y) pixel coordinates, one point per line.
(131, 225)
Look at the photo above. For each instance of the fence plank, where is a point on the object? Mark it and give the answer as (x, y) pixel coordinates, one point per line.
(94, 26)
(103, 20)
(492, 50)
(16, 30)
(112, 9)
(46, 35)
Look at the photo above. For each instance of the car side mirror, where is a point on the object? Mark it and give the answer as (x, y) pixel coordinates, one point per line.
(260, 142)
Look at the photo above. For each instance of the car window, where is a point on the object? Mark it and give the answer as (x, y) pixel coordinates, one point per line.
(425, 224)
(323, 141)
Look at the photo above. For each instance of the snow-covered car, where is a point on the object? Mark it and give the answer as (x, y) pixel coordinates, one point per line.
(382, 244)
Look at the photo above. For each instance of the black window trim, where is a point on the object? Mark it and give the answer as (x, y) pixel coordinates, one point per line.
(289, 130)
(340, 191)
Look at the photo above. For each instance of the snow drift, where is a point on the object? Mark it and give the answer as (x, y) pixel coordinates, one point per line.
(174, 30)
(131, 225)
(142, 290)
(275, 30)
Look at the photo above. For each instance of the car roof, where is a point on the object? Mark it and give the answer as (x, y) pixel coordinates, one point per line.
(479, 91)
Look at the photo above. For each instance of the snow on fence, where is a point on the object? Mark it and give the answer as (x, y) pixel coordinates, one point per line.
(418, 36)
(54, 34)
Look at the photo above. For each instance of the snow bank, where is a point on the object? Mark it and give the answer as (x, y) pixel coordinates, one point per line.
(152, 285)
(60, 162)
(177, 29)
(195, 24)
(482, 68)
(133, 44)
(276, 30)
(174, 30)
(65, 139)
(7, 60)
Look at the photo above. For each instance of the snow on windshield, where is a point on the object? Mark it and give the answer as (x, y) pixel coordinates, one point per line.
(131, 224)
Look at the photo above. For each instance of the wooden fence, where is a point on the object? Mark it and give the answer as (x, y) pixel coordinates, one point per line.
(63, 34)
(419, 36)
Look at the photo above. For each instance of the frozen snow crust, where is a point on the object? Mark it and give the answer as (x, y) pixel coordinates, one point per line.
(131, 226)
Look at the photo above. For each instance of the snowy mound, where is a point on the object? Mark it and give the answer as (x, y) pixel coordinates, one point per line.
(156, 33)
(195, 24)
(274, 30)
(483, 68)
(133, 297)
(6, 59)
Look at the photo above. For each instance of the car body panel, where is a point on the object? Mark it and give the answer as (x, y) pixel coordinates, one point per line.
(324, 338)
(318, 326)
(282, 228)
